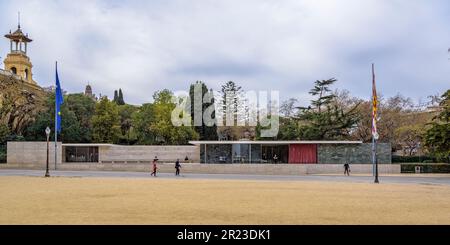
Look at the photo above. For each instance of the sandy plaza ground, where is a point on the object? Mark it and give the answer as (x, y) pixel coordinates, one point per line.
(30, 199)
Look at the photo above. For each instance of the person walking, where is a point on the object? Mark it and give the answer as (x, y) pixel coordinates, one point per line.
(177, 167)
(347, 169)
(154, 166)
(275, 158)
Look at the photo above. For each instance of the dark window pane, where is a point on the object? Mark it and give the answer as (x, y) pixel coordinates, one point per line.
(81, 154)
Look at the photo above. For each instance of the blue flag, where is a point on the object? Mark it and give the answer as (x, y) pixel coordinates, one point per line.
(58, 101)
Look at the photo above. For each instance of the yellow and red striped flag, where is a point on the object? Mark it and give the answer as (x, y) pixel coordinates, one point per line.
(374, 106)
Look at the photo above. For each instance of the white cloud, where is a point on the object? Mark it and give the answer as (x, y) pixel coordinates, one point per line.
(143, 46)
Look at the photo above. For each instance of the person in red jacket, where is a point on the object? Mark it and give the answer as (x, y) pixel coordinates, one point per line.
(154, 166)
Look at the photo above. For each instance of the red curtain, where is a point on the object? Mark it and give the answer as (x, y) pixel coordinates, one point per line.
(303, 153)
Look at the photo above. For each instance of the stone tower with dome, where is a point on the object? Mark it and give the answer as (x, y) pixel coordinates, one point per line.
(21, 98)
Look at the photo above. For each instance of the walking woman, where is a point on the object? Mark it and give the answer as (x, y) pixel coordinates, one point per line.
(154, 166)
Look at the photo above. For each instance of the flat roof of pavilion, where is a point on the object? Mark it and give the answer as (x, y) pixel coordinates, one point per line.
(273, 142)
(86, 144)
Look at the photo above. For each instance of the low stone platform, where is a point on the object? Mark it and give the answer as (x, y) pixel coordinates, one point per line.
(257, 169)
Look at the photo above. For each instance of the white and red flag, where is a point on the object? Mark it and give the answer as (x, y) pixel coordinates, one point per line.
(374, 106)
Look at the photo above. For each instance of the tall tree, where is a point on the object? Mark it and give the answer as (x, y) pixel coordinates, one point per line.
(232, 98)
(289, 129)
(288, 108)
(410, 137)
(400, 122)
(162, 127)
(19, 106)
(232, 106)
(142, 119)
(84, 108)
(120, 100)
(154, 125)
(116, 97)
(322, 91)
(325, 119)
(205, 132)
(126, 124)
(71, 129)
(106, 122)
(437, 137)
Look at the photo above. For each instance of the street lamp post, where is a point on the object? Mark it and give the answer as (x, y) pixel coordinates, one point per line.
(47, 132)
(375, 159)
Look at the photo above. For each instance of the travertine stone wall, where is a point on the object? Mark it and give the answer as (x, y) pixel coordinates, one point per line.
(357, 154)
(117, 153)
(32, 154)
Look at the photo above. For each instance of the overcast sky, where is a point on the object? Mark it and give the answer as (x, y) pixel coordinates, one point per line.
(144, 46)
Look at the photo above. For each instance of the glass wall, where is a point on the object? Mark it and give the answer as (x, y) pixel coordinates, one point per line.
(255, 153)
(218, 153)
(81, 154)
(203, 154)
(243, 153)
(275, 154)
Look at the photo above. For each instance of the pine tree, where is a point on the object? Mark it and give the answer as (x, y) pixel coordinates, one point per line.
(322, 90)
(325, 120)
(232, 106)
(235, 98)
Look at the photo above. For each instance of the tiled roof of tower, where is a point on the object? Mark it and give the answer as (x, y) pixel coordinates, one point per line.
(18, 36)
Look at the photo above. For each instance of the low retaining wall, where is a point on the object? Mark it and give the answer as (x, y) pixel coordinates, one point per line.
(256, 169)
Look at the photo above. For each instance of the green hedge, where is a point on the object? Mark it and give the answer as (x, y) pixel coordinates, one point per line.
(2, 154)
(413, 159)
(439, 168)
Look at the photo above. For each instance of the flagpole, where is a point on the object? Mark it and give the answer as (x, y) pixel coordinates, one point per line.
(373, 156)
(374, 159)
(56, 120)
(374, 140)
(376, 164)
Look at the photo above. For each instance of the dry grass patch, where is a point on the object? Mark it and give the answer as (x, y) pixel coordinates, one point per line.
(35, 200)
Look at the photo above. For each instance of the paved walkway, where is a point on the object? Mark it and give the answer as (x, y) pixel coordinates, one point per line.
(440, 179)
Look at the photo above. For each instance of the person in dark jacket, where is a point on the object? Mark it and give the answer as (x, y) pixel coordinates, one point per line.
(347, 169)
(275, 158)
(177, 167)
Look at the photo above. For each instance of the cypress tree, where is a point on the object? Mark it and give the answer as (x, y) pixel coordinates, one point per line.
(116, 97)
(205, 132)
(120, 100)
